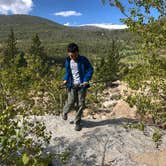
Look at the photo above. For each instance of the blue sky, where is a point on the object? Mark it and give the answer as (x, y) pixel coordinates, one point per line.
(94, 12)
(72, 12)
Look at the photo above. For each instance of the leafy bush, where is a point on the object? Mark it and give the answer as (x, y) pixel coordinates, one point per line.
(22, 78)
(17, 139)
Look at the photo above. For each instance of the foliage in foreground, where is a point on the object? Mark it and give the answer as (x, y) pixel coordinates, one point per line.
(22, 140)
(148, 78)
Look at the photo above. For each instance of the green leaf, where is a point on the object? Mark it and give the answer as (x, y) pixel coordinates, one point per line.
(25, 159)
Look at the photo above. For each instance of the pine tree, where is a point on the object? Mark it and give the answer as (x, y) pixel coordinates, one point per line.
(36, 48)
(11, 49)
(20, 60)
(37, 58)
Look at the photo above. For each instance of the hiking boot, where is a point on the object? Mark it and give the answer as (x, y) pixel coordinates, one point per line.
(64, 116)
(78, 126)
(71, 122)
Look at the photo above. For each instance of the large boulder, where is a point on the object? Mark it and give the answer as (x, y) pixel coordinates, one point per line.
(123, 110)
(103, 142)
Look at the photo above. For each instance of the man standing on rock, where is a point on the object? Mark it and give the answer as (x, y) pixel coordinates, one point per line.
(79, 72)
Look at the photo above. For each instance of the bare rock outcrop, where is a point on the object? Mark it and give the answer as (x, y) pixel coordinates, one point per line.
(104, 143)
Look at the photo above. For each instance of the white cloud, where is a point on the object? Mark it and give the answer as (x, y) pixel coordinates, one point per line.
(106, 26)
(15, 6)
(68, 13)
(67, 24)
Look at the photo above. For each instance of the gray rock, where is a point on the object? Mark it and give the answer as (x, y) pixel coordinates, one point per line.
(100, 142)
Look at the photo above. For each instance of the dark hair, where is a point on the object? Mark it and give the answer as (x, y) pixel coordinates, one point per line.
(72, 47)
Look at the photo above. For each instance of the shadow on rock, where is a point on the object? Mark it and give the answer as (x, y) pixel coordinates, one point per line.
(119, 121)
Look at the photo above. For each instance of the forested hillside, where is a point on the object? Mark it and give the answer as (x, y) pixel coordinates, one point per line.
(55, 37)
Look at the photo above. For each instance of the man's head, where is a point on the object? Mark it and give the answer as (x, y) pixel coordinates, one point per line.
(73, 51)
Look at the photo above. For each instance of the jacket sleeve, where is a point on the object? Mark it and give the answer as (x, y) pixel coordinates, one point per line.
(89, 70)
(66, 76)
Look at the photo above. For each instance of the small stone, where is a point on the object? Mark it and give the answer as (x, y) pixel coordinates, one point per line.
(108, 104)
(87, 112)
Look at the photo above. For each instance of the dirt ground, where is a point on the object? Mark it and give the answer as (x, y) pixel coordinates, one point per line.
(157, 158)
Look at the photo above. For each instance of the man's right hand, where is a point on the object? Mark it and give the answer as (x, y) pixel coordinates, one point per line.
(64, 82)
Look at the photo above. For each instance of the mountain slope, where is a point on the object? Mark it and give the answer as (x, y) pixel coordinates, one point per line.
(55, 37)
(19, 20)
(25, 26)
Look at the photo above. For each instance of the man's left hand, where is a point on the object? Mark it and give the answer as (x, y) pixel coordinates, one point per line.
(85, 83)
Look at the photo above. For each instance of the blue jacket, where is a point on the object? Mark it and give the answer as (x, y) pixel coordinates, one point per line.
(85, 69)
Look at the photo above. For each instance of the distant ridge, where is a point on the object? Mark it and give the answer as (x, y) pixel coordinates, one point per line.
(20, 19)
(103, 26)
(54, 34)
